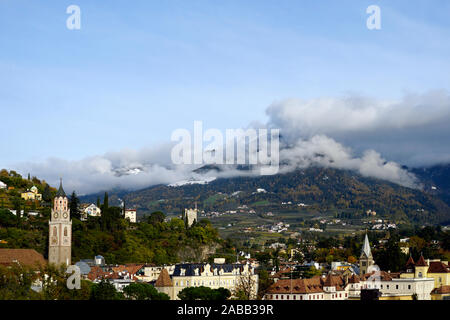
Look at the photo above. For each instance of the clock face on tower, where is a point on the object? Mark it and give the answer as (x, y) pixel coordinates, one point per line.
(55, 215)
(65, 215)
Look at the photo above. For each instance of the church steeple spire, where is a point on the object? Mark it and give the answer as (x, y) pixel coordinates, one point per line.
(366, 248)
(60, 192)
(366, 259)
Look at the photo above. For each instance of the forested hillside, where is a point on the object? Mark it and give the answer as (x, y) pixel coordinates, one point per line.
(319, 188)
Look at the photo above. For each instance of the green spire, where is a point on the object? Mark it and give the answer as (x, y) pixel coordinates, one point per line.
(60, 192)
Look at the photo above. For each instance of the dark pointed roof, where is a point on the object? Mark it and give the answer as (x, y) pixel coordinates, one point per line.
(60, 192)
(410, 262)
(328, 281)
(421, 262)
(163, 279)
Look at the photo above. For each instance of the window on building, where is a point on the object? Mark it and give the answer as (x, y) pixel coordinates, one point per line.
(409, 287)
(396, 287)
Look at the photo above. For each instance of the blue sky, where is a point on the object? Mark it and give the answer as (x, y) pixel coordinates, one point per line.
(137, 70)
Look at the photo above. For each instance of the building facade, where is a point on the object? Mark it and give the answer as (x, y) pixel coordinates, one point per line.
(32, 194)
(90, 210)
(190, 215)
(131, 214)
(228, 276)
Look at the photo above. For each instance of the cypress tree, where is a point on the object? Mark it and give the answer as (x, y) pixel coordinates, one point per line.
(106, 201)
(74, 206)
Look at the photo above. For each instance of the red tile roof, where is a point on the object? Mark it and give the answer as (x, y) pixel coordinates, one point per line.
(304, 286)
(96, 273)
(421, 262)
(132, 269)
(438, 267)
(410, 262)
(441, 290)
(354, 279)
(25, 257)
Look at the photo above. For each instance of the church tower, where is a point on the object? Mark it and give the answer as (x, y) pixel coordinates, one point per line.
(60, 230)
(366, 259)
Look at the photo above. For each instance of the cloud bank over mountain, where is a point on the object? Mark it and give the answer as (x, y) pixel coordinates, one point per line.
(370, 136)
(413, 131)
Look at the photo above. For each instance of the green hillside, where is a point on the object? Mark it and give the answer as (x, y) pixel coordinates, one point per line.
(321, 189)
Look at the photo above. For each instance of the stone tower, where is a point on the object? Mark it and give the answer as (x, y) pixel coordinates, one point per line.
(366, 259)
(190, 215)
(60, 230)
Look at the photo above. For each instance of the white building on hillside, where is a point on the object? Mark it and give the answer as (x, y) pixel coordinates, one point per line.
(90, 210)
(131, 214)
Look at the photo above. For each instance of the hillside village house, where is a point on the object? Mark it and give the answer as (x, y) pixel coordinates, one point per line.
(89, 210)
(3, 185)
(216, 275)
(131, 214)
(32, 194)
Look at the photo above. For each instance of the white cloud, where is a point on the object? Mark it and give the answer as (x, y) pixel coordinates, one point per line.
(354, 133)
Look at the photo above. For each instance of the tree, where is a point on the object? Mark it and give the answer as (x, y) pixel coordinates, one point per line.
(106, 201)
(143, 291)
(15, 283)
(98, 202)
(74, 206)
(264, 283)
(245, 287)
(7, 219)
(54, 285)
(311, 272)
(156, 217)
(204, 293)
(46, 194)
(104, 290)
(391, 257)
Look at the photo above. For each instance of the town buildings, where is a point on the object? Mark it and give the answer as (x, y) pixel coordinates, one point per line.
(422, 281)
(150, 273)
(215, 275)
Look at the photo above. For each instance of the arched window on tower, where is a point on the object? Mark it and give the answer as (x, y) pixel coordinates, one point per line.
(65, 231)
(55, 231)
